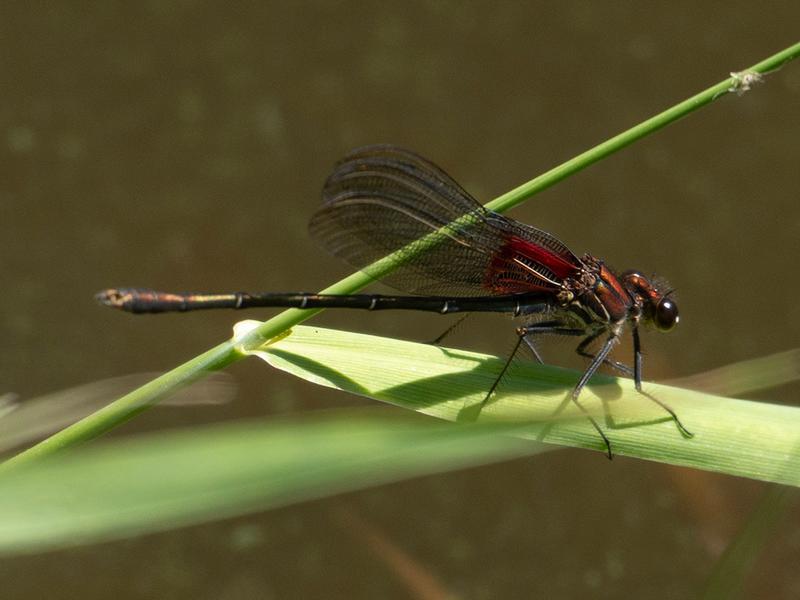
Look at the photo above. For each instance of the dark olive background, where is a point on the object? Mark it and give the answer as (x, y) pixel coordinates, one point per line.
(182, 145)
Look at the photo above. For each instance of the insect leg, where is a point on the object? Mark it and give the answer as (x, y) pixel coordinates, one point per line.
(637, 378)
(555, 327)
(438, 340)
(598, 360)
(502, 371)
(614, 364)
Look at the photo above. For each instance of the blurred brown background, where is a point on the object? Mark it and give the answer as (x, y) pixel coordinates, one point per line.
(182, 145)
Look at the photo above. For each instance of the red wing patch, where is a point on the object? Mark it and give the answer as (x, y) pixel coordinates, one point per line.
(523, 266)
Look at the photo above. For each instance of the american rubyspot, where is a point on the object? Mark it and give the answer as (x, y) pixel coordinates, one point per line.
(384, 199)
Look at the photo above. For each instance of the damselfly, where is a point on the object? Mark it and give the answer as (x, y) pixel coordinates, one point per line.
(456, 256)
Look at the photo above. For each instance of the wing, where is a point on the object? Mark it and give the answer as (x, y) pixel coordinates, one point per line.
(384, 199)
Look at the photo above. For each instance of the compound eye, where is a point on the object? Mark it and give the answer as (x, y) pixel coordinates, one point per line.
(666, 316)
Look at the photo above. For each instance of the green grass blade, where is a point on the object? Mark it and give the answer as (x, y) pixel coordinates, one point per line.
(747, 376)
(23, 421)
(737, 437)
(157, 482)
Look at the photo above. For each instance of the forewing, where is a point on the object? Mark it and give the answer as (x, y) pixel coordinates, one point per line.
(383, 199)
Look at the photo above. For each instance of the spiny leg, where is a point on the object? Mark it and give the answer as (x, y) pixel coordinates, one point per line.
(558, 328)
(535, 351)
(637, 359)
(637, 380)
(448, 331)
(581, 350)
(555, 327)
(502, 372)
(598, 360)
